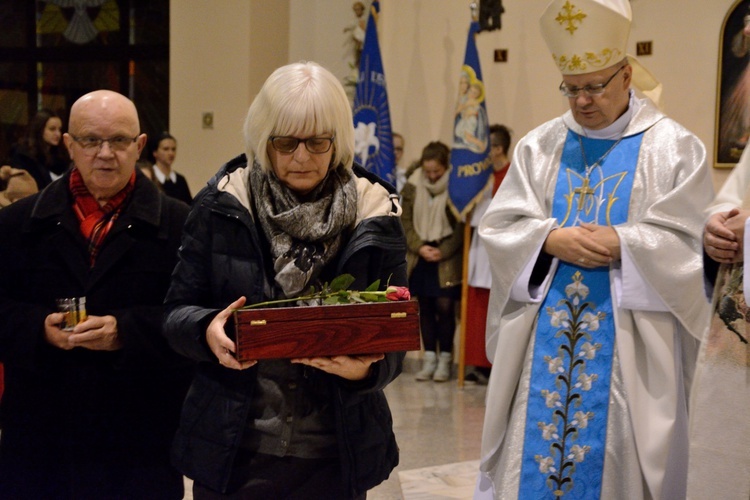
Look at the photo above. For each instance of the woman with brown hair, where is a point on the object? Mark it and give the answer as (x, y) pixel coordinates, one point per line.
(41, 152)
(434, 238)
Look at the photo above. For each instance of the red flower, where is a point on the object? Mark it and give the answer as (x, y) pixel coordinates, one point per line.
(397, 293)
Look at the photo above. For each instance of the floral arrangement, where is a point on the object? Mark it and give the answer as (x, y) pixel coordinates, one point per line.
(337, 292)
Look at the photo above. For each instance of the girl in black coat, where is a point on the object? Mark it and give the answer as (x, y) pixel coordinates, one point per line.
(41, 153)
(163, 150)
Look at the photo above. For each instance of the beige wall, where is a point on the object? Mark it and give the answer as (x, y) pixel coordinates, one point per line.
(222, 50)
(317, 34)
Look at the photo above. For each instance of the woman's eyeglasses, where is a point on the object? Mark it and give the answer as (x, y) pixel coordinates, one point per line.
(287, 144)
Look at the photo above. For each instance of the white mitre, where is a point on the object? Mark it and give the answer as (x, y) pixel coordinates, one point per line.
(590, 35)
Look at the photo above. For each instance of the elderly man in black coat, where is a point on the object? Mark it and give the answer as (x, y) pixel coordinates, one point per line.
(90, 412)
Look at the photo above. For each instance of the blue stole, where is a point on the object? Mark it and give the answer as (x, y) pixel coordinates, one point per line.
(566, 420)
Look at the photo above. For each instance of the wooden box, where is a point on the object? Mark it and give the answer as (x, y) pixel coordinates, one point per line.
(327, 330)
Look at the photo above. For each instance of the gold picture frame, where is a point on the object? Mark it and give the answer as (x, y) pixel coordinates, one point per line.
(732, 131)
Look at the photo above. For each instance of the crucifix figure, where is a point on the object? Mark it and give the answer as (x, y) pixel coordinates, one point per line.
(582, 192)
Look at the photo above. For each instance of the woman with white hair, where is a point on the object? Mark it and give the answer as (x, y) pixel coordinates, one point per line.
(292, 213)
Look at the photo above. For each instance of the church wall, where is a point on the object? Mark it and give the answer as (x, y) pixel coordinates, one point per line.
(220, 53)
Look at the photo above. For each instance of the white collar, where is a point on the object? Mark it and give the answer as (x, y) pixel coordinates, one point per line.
(163, 178)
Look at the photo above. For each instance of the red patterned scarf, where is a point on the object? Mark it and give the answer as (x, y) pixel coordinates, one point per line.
(95, 220)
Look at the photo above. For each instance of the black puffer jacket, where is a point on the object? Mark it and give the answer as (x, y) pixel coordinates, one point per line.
(224, 256)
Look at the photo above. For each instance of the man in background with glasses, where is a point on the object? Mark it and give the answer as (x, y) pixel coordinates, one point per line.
(92, 395)
(597, 304)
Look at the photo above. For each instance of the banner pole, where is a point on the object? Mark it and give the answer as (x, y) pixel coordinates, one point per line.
(464, 300)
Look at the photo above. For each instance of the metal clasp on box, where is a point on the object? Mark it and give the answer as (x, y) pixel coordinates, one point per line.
(257, 322)
(398, 315)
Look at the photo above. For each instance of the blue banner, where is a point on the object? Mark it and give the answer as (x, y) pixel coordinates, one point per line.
(470, 161)
(373, 143)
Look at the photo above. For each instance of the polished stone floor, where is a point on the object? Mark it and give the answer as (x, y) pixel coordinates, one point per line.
(435, 424)
(438, 427)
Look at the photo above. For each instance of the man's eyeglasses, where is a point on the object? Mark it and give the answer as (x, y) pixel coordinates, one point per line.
(92, 145)
(587, 90)
(315, 145)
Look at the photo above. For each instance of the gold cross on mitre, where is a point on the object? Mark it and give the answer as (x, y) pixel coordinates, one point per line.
(582, 192)
(569, 17)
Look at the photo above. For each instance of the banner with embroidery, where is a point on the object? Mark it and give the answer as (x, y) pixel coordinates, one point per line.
(566, 420)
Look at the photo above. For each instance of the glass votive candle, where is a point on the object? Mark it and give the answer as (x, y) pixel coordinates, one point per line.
(74, 310)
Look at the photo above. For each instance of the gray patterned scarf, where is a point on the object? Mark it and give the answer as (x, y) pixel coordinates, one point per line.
(305, 234)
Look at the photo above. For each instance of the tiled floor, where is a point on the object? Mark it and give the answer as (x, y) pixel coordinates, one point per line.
(438, 428)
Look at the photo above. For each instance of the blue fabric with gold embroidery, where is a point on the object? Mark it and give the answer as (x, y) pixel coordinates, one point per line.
(566, 420)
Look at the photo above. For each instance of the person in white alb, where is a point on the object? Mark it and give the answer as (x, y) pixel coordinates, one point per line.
(597, 303)
(720, 400)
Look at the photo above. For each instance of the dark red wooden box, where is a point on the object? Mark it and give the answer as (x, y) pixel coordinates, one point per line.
(328, 330)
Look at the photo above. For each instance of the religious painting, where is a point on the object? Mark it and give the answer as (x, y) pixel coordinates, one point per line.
(733, 92)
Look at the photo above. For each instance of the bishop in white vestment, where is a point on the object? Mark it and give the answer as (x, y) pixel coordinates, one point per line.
(598, 304)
